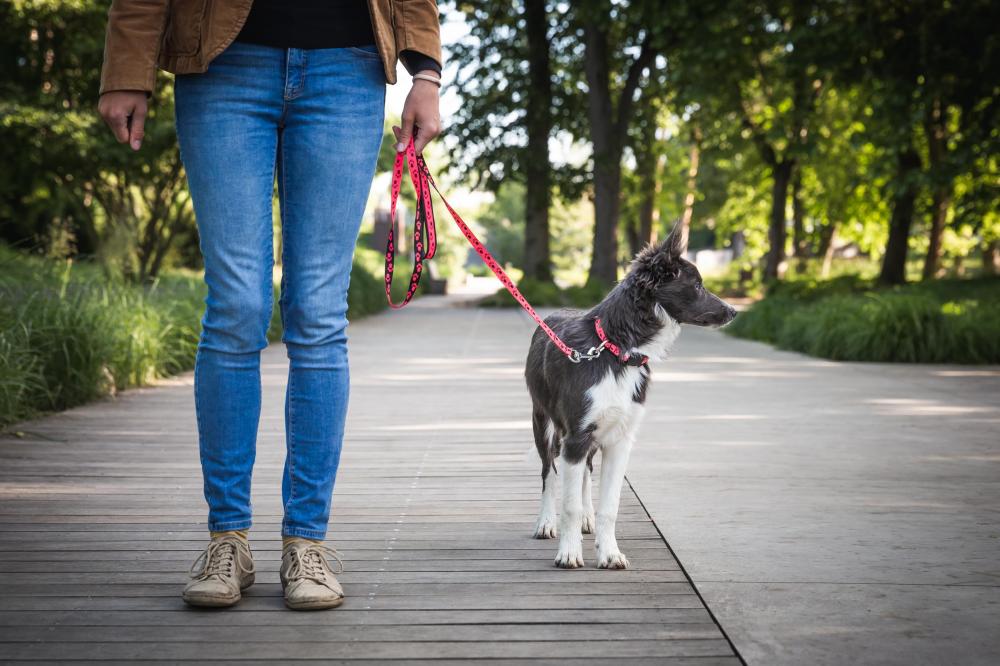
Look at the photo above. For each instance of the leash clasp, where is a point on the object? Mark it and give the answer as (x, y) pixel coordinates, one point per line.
(589, 355)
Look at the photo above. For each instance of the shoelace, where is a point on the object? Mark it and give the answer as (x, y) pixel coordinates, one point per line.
(217, 559)
(311, 562)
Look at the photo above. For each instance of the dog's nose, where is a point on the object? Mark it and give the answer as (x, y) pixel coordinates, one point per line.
(730, 312)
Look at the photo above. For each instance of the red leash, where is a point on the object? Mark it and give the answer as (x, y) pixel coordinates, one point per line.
(425, 244)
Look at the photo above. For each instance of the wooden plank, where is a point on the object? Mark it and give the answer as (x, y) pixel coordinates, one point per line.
(331, 633)
(352, 566)
(301, 649)
(495, 591)
(183, 617)
(255, 600)
(597, 661)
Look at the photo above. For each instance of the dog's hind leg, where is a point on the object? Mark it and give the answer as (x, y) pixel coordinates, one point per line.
(588, 496)
(545, 526)
(614, 460)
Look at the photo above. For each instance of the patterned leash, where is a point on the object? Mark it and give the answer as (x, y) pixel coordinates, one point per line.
(425, 245)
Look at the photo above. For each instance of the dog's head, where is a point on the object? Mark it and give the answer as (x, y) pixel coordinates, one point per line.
(673, 283)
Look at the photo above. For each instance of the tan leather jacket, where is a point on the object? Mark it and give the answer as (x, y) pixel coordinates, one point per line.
(183, 36)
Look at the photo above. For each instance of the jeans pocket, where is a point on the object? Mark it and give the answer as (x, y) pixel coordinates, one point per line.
(369, 51)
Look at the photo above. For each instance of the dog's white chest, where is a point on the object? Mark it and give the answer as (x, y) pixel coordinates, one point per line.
(612, 409)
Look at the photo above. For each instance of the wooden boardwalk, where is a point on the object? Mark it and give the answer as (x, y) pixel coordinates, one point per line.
(101, 514)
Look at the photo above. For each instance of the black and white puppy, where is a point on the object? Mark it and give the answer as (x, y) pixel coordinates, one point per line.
(597, 405)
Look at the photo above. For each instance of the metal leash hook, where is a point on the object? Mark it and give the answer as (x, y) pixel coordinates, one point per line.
(590, 354)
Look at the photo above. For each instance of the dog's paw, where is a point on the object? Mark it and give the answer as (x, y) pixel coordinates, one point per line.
(588, 523)
(545, 528)
(613, 560)
(569, 557)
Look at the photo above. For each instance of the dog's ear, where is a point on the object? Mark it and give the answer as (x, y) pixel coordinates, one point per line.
(675, 245)
(654, 265)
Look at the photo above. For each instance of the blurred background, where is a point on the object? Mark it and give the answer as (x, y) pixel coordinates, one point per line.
(834, 166)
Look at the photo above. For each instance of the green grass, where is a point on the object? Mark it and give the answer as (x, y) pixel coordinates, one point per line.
(850, 319)
(69, 334)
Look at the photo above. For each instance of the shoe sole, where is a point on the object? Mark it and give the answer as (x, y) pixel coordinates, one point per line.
(210, 602)
(314, 605)
(217, 602)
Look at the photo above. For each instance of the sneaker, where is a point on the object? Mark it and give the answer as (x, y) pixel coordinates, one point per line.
(221, 573)
(307, 578)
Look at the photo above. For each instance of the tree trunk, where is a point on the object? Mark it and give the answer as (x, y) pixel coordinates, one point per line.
(607, 157)
(781, 173)
(608, 131)
(632, 232)
(826, 236)
(991, 258)
(537, 259)
(894, 262)
(939, 214)
(799, 245)
(937, 149)
(649, 212)
(692, 185)
(607, 193)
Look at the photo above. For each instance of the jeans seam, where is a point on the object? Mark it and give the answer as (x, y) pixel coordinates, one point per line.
(290, 444)
(198, 362)
(304, 532)
(231, 525)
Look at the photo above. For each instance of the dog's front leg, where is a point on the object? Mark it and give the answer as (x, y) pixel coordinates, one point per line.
(587, 524)
(570, 555)
(588, 496)
(614, 460)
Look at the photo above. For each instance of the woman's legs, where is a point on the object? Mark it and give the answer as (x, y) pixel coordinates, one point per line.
(227, 126)
(329, 142)
(316, 116)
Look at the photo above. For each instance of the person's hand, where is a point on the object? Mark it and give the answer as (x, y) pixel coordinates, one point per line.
(421, 117)
(125, 113)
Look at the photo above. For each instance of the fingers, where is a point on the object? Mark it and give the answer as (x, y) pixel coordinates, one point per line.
(406, 131)
(125, 114)
(421, 117)
(426, 130)
(137, 128)
(117, 119)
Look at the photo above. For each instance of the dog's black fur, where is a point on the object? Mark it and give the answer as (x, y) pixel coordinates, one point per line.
(660, 282)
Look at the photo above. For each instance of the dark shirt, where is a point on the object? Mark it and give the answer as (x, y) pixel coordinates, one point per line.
(319, 24)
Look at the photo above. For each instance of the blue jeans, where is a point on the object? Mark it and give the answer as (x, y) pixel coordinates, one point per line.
(313, 118)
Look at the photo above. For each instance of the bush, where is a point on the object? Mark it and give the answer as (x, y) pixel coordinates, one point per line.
(948, 321)
(547, 294)
(69, 334)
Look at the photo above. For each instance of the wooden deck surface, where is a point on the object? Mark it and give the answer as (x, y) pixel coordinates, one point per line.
(101, 514)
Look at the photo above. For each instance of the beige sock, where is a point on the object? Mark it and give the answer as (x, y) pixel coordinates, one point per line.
(285, 540)
(243, 534)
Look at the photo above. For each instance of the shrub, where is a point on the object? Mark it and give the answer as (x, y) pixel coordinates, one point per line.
(951, 321)
(547, 294)
(69, 334)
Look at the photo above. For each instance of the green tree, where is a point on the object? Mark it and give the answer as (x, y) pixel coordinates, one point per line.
(507, 116)
(66, 186)
(611, 33)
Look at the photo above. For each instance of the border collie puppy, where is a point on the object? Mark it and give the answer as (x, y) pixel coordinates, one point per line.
(597, 405)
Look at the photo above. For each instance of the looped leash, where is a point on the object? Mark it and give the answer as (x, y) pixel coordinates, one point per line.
(425, 244)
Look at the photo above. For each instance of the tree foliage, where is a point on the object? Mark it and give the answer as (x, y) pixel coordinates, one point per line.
(816, 126)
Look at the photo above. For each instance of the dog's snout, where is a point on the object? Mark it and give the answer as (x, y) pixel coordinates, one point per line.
(730, 312)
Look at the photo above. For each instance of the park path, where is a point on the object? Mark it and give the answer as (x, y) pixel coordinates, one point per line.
(830, 513)
(101, 514)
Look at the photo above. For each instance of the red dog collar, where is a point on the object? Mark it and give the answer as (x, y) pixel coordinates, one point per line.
(623, 356)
